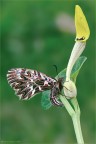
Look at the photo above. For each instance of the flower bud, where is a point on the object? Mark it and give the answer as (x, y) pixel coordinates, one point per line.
(70, 89)
(82, 28)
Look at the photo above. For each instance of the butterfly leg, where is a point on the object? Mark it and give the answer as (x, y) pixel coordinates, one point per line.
(53, 97)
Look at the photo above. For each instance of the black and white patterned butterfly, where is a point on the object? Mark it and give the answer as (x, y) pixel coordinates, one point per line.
(27, 83)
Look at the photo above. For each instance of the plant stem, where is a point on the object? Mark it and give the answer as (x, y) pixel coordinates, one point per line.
(77, 128)
(67, 105)
(75, 115)
(76, 119)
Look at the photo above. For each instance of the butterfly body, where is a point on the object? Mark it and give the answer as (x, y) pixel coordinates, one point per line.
(27, 83)
(55, 91)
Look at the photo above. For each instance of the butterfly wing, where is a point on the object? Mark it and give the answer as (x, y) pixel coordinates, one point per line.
(27, 82)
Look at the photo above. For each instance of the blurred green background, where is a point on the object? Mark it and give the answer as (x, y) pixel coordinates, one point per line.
(36, 35)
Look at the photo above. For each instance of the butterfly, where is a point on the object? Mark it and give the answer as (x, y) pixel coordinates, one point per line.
(27, 83)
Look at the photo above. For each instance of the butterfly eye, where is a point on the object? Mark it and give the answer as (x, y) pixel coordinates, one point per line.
(56, 88)
(45, 78)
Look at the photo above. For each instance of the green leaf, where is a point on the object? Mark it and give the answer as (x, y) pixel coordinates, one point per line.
(75, 71)
(61, 74)
(45, 100)
(76, 68)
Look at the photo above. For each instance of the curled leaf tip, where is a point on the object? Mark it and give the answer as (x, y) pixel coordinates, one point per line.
(82, 28)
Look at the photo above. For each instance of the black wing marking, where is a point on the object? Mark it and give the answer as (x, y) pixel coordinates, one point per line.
(27, 82)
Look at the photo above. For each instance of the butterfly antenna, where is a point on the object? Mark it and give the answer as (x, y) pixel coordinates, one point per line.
(56, 70)
(58, 75)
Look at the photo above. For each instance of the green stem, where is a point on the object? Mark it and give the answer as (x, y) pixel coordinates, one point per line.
(75, 105)
(75, 115)
(77, 110)
(67, 105)
(77, 128)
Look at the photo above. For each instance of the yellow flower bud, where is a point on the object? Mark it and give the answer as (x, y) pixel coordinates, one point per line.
(82, 28)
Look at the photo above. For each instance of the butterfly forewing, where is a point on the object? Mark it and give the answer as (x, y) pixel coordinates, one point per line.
(27, 82)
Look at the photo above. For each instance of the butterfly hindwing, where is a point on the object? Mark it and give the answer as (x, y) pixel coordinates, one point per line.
(27, 82)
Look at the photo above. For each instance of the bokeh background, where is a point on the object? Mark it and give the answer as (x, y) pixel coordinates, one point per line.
(36, 35)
